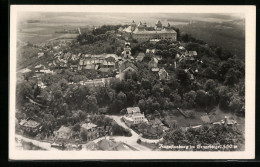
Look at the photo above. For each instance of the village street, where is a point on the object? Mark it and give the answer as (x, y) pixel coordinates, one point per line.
(132, 140)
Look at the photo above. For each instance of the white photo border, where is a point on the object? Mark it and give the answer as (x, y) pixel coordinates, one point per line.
(250, 42)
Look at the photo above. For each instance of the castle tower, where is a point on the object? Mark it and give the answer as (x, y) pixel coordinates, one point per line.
(158, 25)
(140, 26)
(133, 25)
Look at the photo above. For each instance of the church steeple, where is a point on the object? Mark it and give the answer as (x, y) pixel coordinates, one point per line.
(127, 51)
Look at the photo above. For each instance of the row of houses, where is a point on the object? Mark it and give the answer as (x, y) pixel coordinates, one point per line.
(96, 61)
(85, 61)
(90, 130)
(153, 63)
(102, 82)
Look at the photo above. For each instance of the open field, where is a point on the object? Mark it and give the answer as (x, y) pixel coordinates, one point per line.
(40, 32)
(215, 115)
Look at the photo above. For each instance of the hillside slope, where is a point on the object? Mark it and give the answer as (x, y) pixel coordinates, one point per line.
(228, 35)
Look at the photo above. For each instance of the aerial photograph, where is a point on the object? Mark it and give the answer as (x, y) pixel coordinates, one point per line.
(97, 81)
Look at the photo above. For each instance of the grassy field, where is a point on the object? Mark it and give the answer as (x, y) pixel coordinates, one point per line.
(40, 32)
(215, 115)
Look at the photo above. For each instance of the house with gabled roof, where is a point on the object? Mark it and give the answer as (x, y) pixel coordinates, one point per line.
(140, 56)
(163, 74)
(63, 133)
(126, 67)
(134, 116)
(90, 130)
(30, 125)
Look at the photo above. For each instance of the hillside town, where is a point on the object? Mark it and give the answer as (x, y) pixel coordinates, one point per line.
(127, 88)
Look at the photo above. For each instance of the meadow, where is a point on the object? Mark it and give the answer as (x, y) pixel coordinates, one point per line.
(37, 33)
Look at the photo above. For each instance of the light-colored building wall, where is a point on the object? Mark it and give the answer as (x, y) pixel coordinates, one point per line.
(149, 36)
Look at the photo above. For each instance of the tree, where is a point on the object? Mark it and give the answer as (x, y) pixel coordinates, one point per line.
(209, 72)
(201, 98)
(83, 135)
(218, 51)
(118, 103)
(210, 85)
(142, 105)
(146, 84)
(91, 103)
(166, 91)
(183, 77)
(189, 99)
(63, 83)
(224, 97)
(37, 91)
(31, 109)
(76, 127)
(131, 98)
(149, 103)
(231, 77)
(49, 123)
(23, 90)
(121, 96)
(223, 69)
(176, 99)
(157, 90)
(235, 104)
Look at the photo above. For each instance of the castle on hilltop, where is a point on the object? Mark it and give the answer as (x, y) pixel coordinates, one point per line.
(141, 34)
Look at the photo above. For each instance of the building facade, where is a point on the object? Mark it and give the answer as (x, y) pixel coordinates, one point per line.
(141, 34)
(134, 116)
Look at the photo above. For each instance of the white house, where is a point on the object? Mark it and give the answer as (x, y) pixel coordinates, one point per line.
(134, 116)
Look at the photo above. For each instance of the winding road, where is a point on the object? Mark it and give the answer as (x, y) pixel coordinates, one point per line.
(132, 140)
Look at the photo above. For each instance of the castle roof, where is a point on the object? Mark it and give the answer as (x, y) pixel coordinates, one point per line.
(138, 31)
(128, 29)
(132, 110)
